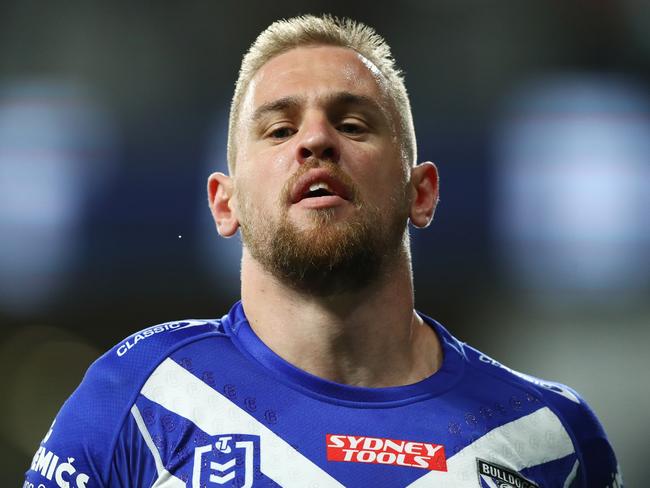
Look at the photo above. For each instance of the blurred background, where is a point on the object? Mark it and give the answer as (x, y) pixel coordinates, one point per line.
(537, 113)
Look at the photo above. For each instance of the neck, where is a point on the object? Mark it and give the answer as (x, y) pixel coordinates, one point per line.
(370, 337)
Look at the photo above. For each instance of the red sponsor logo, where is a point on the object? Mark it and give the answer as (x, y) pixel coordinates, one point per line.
(377, 450)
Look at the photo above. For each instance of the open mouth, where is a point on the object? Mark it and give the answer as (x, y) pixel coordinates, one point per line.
(320, 189)
(318, 183)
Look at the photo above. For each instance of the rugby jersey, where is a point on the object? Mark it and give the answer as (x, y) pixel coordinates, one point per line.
(206, 404)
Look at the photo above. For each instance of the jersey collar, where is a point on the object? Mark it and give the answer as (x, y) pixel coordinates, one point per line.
(237, 327)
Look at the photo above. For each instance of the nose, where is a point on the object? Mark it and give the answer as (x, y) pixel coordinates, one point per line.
(317, 139)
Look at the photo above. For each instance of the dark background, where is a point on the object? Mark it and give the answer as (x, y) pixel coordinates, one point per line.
(113, 114)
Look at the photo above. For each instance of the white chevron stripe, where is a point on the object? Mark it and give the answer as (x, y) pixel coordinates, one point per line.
(572, 475)
(528, 441)
(165, 478)
(181, 392)
(222, 467)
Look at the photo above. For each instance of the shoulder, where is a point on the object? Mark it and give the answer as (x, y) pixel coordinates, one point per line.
(121, 371)
(597, 465)
(88, 425)
(557, 394)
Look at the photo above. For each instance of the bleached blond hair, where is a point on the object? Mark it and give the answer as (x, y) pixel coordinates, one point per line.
(309, 30)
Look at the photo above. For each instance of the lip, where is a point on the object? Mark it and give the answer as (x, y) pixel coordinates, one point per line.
(301, 187)
(321, 202)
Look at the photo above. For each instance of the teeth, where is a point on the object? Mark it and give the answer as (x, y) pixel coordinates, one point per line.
(320, 186)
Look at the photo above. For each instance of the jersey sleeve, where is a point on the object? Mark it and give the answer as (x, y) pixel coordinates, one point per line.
(92, 442)
(78, 447)
(597, 465)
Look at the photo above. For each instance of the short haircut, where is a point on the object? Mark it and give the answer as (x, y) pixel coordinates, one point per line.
(308, 30)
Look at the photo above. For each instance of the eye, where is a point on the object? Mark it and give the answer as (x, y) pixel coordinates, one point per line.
(352, 128)
(281, 132)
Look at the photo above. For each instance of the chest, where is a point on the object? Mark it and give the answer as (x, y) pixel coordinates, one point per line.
(218, 427)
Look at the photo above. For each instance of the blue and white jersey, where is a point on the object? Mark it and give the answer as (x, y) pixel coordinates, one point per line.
(206, 404)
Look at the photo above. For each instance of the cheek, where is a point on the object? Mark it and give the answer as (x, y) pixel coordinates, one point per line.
(262, 171)
(254, 195)
(268, 168)
(259, 188)
(270, 158)
(376, 172)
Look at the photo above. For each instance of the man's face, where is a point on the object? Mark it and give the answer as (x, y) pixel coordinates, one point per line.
(320, 186)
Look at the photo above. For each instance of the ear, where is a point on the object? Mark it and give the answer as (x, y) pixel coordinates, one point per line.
(220, 191)
(424, 187)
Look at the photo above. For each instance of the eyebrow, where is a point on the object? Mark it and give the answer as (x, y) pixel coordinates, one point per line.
(348, 98)
(280, 105)
(292, 102)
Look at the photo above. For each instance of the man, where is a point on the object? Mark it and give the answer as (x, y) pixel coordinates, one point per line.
(323, 375)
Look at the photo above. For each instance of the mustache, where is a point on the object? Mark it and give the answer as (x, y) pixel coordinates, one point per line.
(334, 171)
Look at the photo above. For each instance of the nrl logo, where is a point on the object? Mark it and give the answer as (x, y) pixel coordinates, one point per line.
(494, 476)
(232, 458)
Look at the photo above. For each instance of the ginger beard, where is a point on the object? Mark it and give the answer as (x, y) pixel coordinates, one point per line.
(329, 256)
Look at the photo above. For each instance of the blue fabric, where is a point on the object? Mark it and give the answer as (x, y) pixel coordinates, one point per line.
(109, 432)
